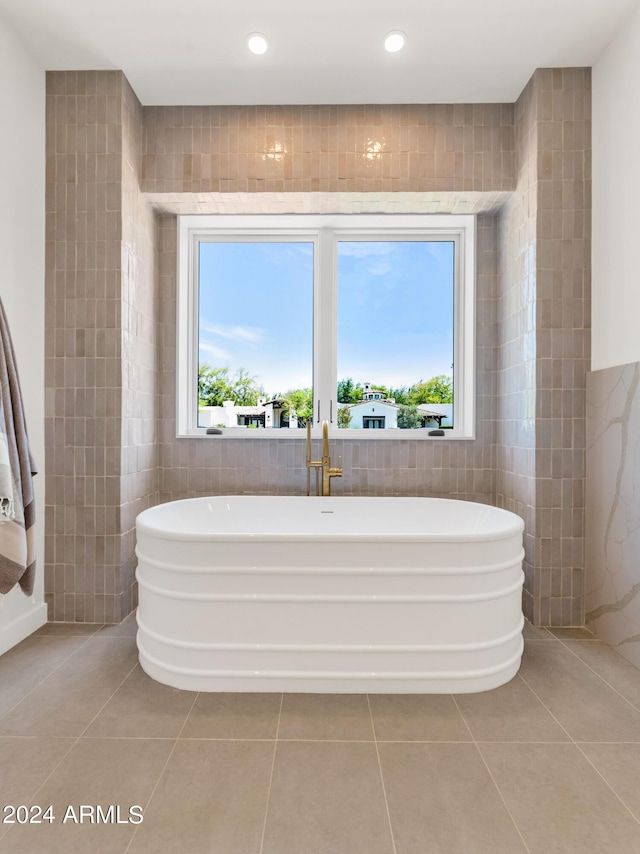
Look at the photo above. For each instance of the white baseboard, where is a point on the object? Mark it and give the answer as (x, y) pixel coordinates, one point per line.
(22, 627)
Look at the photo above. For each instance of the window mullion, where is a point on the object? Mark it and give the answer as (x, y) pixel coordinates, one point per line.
(325, 329)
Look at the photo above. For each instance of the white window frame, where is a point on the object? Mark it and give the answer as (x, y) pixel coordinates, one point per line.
(324, 231)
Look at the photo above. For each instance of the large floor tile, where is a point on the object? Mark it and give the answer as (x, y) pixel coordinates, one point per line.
(442, 801)
(26, 763)
(327, 797)
(65, 703)
(234, 716)
(417, 717)
(585, 705)
(212, 798)
(559, 802)
(28, 663)
(619, 764)
(142, 707)
(613, 668)
(325, 716)
(509, 713)
(96, 772)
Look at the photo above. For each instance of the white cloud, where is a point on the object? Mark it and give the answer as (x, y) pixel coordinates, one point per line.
(212, 350)
(380, 269)
(245, 334)
(365, 248)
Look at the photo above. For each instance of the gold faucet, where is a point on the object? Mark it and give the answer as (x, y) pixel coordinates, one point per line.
(327, 471)
(325, 464)
(317, 464)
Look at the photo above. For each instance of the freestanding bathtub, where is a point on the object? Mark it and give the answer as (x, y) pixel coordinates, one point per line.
(376, 595)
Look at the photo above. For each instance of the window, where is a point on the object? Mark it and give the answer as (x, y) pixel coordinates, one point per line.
(364, 321)
(370, 423)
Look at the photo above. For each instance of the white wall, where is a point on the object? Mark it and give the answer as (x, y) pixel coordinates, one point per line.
(22, 179)
(616, 204)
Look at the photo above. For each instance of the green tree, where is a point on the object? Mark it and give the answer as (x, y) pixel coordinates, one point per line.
(301, 399)
(348, 392)
(215, 385)
(436, 390)
(400, 395)
(344, 416)
(409, 417)
(245, 390)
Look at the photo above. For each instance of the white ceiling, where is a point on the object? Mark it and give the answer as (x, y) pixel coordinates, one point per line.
(193, 51)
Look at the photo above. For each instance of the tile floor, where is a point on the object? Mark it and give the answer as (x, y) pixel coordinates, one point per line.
(547, 763)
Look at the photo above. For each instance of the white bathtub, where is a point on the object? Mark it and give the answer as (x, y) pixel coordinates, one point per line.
(376, 595)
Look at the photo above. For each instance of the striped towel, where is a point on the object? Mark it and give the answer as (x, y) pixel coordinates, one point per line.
(17, 507)
(7, 485)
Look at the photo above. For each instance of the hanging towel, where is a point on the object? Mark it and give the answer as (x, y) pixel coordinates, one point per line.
(17, 506)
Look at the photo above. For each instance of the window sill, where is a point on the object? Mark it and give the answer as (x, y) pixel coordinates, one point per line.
(348, 435)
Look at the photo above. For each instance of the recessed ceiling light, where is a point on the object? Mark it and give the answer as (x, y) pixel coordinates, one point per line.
(257, 43)
(394, 41)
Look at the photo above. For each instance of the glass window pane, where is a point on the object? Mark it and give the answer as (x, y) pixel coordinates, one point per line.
(255, 334)
(395, 334)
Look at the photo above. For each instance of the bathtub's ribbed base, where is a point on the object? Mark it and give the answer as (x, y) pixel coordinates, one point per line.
(330, 611)
(465, 669)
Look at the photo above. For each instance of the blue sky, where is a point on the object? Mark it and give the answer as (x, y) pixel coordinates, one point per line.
(395, 311)
(395, 316)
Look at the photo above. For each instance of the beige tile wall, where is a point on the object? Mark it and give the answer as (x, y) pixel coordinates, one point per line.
(139, 463)
(563, 317)
(544, 320)
(192, 467)
(516, 357)
(416, 148)
(111, 331)
(100, 345)
(83, 345)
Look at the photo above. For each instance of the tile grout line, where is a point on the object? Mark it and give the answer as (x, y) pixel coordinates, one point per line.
(164, 768)
(42, 634)
(384, 788)
(577, 745)
(32, 798)
(492, 778)
(606, 782)
(78, 737)
(109, 698)
(48, 676)
(608, 684)
(273, 765)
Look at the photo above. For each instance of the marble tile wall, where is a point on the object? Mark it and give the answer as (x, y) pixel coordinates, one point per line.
(612, 594)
